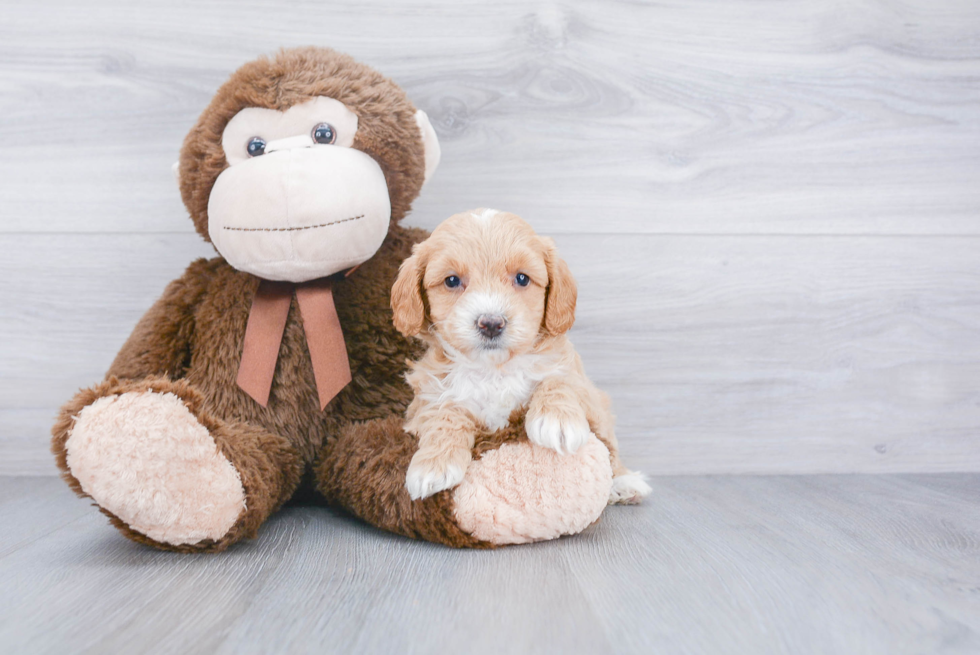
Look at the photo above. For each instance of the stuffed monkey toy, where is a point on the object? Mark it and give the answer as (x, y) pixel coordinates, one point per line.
(275, 368)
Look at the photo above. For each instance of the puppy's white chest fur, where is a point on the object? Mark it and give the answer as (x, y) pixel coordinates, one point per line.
(490, 392)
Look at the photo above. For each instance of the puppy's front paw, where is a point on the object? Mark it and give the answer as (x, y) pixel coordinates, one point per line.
(430, 475)
(561, 432)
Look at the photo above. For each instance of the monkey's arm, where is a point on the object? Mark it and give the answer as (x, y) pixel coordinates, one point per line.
(512, 492)
(160, 345)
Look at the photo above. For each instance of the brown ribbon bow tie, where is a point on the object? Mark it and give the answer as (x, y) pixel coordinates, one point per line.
(324, 337)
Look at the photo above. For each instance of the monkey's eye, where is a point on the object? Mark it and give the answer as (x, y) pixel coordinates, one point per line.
(256, 146)
(452, 281)
(324, 133)
(522, 280)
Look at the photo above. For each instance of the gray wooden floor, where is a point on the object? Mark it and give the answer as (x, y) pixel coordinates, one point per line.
(772, 208)
(773, 212)
(712, 564)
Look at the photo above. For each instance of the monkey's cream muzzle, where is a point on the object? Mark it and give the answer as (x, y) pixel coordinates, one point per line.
(300, 211)
(297, 204)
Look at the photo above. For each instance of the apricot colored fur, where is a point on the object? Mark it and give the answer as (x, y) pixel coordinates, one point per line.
(189, 343)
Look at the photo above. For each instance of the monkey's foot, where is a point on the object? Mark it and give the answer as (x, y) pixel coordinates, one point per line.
(145, 458)
(522, 492)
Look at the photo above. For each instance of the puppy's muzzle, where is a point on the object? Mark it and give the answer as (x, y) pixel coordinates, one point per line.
(491, 326)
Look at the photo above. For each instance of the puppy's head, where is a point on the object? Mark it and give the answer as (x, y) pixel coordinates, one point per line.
(484, 284)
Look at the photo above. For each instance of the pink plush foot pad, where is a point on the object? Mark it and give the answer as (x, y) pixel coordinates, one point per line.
(521, 493)
(144, 457)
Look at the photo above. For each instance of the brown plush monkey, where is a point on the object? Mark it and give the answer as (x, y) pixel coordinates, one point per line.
(235, 391)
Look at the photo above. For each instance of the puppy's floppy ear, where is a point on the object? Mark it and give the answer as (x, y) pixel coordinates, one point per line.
(560, 297)
(406, 295)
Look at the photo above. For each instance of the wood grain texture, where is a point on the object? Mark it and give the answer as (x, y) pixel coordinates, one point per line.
(820, 117)
(722, 354)
(804, 564)
(772, 208)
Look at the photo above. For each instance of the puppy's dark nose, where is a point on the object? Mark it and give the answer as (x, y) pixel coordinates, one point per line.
(491, 326)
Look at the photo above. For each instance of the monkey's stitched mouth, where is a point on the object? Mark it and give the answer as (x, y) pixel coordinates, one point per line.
(291, 229)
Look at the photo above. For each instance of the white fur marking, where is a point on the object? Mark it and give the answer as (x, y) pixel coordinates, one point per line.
(485, 215)
(629, 489)
(424, 480)
(462, 323)
(490, 392)
(564, 435)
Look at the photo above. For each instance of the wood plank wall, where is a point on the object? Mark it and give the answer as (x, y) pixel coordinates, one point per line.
(772, 208)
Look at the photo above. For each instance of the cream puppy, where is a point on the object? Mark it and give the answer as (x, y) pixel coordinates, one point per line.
(493, 301)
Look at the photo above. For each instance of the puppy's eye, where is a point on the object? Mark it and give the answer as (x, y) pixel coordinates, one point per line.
(256, 146)
(522, 280)
(453, 281)
(324, 133)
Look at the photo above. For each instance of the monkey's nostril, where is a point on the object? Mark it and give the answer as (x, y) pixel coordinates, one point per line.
(491, 326)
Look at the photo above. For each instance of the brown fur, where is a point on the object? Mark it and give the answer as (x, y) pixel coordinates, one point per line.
(189, 343)
(269, 467)
(386, 121)
(365, 473)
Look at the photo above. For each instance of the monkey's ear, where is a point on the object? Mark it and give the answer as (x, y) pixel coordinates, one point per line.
(562, 293)
(175, 169)
(408, 310)
(430, 142)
